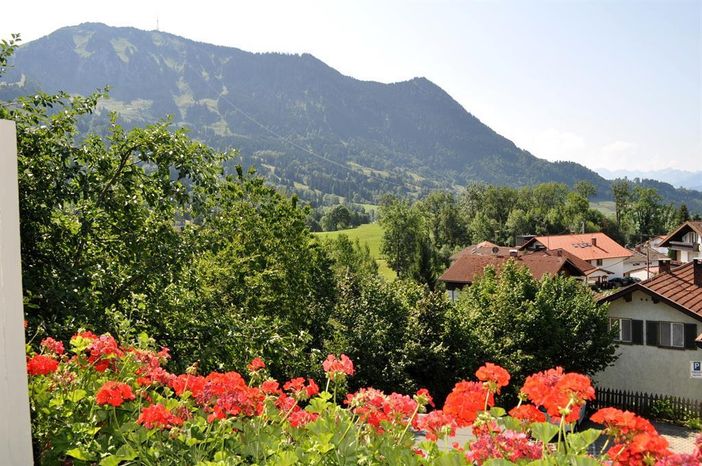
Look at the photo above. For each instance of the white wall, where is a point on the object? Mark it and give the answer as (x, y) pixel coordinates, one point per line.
(652, 369)
(615, 265)
(15, 431)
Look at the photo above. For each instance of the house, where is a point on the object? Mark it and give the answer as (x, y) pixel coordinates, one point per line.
(471, 262)
(596, 248)
(658, 324)
(685, 242)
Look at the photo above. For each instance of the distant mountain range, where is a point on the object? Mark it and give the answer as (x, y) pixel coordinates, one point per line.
(678, 178)
(303, 124)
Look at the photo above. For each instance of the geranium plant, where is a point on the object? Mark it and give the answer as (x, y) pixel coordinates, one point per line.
(110, 404)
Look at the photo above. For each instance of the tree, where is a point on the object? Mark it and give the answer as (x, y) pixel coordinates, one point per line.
(350, 257)
(528, 325)
(585, 188)
(621, 190)
(106, 222)
(646, 211)
(402, 235)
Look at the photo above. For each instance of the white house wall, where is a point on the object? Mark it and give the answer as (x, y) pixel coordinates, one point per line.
(616, 266)
(643, 368)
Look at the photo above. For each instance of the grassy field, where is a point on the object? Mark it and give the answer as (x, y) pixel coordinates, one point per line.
(606, 207)
(369, 234)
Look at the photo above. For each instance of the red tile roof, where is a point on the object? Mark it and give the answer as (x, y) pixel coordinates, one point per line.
(676, 287)
(467, 266)
(581, 245)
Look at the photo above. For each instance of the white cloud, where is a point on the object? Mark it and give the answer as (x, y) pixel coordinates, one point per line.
(553, 144)
(619, 148)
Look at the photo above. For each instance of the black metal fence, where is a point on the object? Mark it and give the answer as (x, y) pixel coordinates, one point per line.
(654, 406)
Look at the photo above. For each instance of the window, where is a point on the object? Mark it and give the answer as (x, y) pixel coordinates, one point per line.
(599, 262)
(623, 329)
(671, 334)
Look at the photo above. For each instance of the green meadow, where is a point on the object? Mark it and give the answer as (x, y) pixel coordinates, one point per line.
(370, 234)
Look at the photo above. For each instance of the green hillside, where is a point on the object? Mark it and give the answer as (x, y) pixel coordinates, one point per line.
(370, 234)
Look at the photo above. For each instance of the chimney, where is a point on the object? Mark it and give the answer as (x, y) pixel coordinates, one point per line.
(664, 266)
(594, 242)
(697, 271)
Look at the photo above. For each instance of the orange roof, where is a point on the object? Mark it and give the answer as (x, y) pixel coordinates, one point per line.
(676, 287)
(583, 246)
(467, 267)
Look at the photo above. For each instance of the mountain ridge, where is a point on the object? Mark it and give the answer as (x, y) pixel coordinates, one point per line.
(406, 137)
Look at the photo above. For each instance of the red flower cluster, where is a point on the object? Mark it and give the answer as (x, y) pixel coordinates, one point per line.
(229, 395)
(637, 441)
(52, 346)
(622, 425)
(494, 376)
(297, 388)
(256, 364)
(437, 425)
(102, 351)
(338, 368)
(194, 384)
(41, 365)
(375, 407)
(560, 393)
(157, 416)
(509, 445)
(527, 414)
(466, 400)
(643, 449)
(301, 418)
(114, 393)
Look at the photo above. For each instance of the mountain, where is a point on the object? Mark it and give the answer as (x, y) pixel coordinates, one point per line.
(303, 124)
(682, 178)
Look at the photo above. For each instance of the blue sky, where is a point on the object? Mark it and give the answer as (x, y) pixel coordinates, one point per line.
(614, 84)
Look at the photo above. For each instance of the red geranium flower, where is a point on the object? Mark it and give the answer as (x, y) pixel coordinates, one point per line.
(423, 398)
(622, 425)
(256, 364)
(557, 391)
(52, 346)
(186, 382)
(527, 413)
(437, 425)
(495, 376)
(466, 400)
(158, 416)
(41, 365)
(644, 448)
(338, 368)
(114, 393)
(300, 418)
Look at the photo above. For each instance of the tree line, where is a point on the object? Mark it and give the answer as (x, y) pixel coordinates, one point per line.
(419, 237)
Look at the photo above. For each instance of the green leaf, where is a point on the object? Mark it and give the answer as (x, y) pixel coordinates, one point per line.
(543, 431)
(498, 462)
(76, 395)
(578, 442)
(497, 411)
(80, 454)
(586, 461)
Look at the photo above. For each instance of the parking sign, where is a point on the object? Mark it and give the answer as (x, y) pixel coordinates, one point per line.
(696, 369)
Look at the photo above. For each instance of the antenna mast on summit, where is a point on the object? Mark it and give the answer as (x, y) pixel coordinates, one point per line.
(157, 23)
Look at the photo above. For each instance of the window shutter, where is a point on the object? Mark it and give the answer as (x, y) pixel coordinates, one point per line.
(651, 333)
(637, 337)
(690, 335)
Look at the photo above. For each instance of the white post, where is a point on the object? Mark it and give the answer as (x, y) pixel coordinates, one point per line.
(15, 429)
